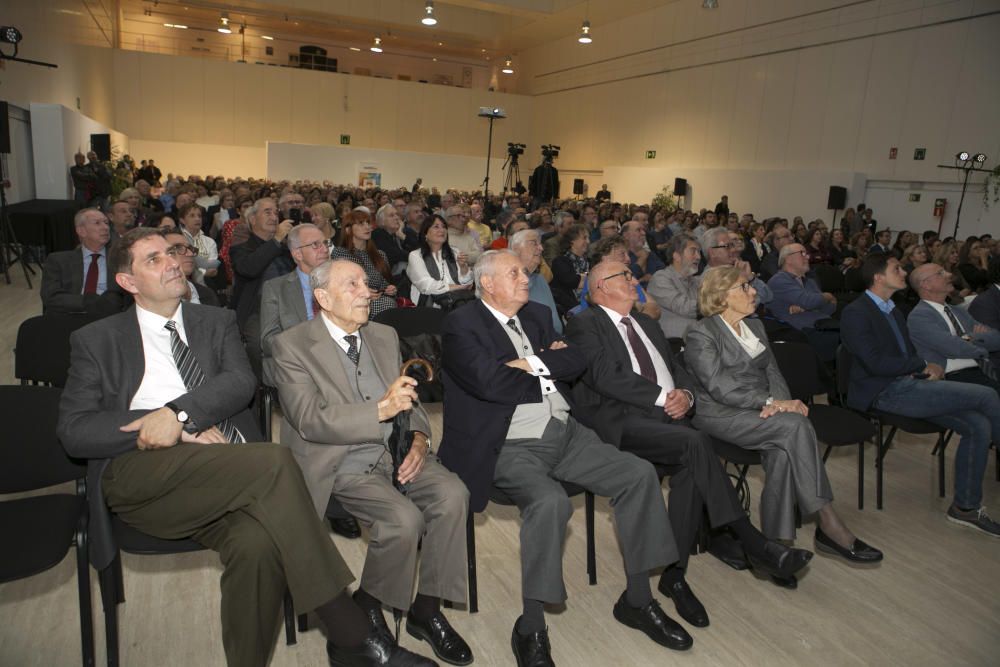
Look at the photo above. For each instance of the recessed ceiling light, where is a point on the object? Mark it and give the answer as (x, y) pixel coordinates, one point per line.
(267, 37)
(354, 48)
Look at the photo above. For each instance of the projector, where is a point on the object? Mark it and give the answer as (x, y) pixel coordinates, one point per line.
(492, 112)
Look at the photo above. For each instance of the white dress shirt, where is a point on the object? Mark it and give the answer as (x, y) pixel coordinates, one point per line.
(663, 376)
(951, 365)
(161, 381)
(337, 334)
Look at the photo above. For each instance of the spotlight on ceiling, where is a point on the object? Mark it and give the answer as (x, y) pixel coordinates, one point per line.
(10, 35)
(709, 4)
(224, 24)
(376, 46)
(980, 158)
(175, 25)
(508, 66)
(585, 37)
(963, 156)
(429, 14)
(267, 37)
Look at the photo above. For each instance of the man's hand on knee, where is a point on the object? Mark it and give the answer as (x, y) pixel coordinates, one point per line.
(157, 429)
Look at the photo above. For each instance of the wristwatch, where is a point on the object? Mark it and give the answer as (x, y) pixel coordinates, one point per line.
(182, 415)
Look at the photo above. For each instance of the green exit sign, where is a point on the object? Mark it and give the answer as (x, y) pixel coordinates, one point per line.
(345, 139)
(650, 155)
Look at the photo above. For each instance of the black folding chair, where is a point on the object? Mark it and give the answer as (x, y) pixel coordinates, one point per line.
(895, 423)
(39, 530)
(419, 331)
(41, 353)
(835, 426)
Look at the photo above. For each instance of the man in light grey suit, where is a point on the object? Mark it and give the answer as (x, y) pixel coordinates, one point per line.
(950, 337)
(340, 388)
(675, 288)
(287, 300)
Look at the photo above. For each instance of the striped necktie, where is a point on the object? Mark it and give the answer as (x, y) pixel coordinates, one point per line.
(192, 377)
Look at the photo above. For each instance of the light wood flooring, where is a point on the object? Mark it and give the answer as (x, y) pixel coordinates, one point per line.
(935, 600)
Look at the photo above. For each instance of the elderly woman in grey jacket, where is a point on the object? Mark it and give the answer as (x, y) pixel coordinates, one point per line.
(742, 398)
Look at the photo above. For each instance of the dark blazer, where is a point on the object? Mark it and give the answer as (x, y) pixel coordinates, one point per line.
(395, 250)
(878, 361)
(564, 281)
(62, 287)
(985, 307)
(206, 295)
(282, 306)
(482, 392)
(250, 262)
(106, 368)
(749, 255)
(609, 390)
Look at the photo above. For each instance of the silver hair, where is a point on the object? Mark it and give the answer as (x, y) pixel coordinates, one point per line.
(80, 218)
(711, 238)
(383, 212)
(785, 252)
(560, 218)
(252, 212)
(521, 237)
(678, 242)
(454, 210)
(484, 266)
(292, 239)
(319, 278)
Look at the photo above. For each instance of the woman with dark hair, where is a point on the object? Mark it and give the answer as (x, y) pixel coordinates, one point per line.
(355, 243)
(569, 269)
(800, 232)
(974, 263)
(156, 220)
(841, 254)
(817, 248)
(437, 273)
(903, 241)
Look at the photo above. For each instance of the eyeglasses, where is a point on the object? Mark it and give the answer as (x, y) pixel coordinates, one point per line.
(628, 276)
(727, 246)
(745, 286)
(315, 245)
(939, 273)
(182, 249)
(804, 253)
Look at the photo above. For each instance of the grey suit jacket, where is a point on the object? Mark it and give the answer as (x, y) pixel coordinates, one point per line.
(62, 287)
(678, 297)
(727, 380)
(936, 344)
(282, 306)
(107, 365)
(985, 307)
(321, 414)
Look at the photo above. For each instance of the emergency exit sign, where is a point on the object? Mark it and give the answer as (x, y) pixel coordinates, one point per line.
(345, 139)
(650, 155)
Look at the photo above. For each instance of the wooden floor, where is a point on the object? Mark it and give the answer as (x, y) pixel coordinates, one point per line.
(934, 601)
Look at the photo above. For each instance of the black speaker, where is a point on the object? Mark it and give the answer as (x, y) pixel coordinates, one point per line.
(578, 186)
(837, 199)
(4, 129)
(101, 144)
(680, 187)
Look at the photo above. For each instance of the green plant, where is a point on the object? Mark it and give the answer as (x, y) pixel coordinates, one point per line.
(991, 187)
(665, 200)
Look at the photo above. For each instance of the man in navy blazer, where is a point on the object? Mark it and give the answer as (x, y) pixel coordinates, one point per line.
(985, 308)
(507, 425)
(887, 374)
(950, 337)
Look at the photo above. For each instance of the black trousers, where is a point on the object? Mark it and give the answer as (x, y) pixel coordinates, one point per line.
(699, 481)
(973, 376)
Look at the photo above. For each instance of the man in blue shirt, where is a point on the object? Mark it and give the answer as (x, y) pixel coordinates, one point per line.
(642, 262)
(889, 375)
(798, 301)
(527, 244)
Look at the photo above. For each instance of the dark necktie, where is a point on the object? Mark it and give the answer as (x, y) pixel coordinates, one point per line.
(985, 363)
(352, 348)
(192, 377)
(512, 323)
(93, 272)
(646, 368)
(959, 331)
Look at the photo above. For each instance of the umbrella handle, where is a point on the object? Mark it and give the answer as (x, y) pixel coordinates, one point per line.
(418, 362)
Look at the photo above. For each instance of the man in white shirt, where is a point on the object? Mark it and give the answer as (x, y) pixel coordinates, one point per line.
(76, 281)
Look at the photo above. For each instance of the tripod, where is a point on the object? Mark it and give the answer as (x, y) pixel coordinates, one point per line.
(10, 250)
(512, 181)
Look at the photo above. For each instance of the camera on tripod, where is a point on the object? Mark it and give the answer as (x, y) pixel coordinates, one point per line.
(513, 150)
(549, 151)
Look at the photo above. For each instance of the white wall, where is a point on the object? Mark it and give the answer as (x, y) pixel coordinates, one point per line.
(186, 159)
(891, 203)
(340, 164)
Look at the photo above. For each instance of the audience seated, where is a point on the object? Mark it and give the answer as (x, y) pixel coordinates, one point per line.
(185, 254)
(643, 262)
(722, 247)
(569, 268)
(985, 307)
(391, 240)
(798, 301)
(675, 288)
(191, 221)
(780, 237)
(527, 245)
(463, 241)
(355, 244)
(438, 277)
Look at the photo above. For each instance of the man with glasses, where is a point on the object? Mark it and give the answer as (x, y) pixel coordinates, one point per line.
(675, 288)
(642, 261)
(460, 237)
(723, 248)
(798, 301)
(185, 253)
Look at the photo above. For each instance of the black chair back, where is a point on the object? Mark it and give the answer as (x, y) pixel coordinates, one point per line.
(31, 456)
(800, 367)
(844, 361)
(419, 331)
(41, 353)
(412, 321)
(829, 277)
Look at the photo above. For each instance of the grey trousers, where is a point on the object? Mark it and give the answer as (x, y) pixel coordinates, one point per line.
(431, 516)
(793, 467)
(527, 470)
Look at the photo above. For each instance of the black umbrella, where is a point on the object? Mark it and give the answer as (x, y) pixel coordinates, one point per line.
(401, 438)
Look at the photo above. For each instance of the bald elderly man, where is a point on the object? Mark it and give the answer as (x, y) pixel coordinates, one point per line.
(798, 300)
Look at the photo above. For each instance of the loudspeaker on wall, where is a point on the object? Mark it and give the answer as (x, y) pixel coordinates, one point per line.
(578, 186)
(837, 198)
(101, 144)
(680, 187)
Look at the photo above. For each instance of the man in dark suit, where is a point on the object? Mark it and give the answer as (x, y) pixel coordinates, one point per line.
(507, 425)
(156, 400)
(604, 194)
(76, 281)
(889, 375)
(636, 398)
(882, 241)
(185, 254)
(986, 306)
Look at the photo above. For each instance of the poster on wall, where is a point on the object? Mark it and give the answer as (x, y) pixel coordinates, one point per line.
(369, 175)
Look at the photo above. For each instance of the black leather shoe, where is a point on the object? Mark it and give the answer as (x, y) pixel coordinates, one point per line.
(379, 649)
(791, 583)
(729, 550)
(657, 625)
(531, 650)
(688, 606)
(779, 561)
(347, 527)
(858, 553)
(437, 632)
(374, 615)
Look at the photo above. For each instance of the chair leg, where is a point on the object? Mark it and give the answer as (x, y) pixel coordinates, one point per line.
(942, 444)
(826, 454)
(591, 548)
(303, 620)
(83, 581)
(861, 475)
(109, 597)
(470, 550)
(878, 465)
(289, 609)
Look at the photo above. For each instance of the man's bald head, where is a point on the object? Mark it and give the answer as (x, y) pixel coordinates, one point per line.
(612, 285)
(931, 282)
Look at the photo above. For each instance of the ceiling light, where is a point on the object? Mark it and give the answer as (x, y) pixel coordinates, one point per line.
(980, 158)
(710, 4)
(585, 37)
(508, 66)
(376, 46)
(354, 48)
(10, 35)
(175, 25)
(429, 14)
(224, 24)
(963, 156)
(267, 37)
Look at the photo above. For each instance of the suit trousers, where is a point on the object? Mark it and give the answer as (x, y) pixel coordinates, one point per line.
(700, 481)
(429, 519)
(250, 504)
(527, 470)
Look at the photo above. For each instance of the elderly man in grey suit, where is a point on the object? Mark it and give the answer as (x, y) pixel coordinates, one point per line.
(76, 281)
(950, 337)
(675, 288)
(338, 378)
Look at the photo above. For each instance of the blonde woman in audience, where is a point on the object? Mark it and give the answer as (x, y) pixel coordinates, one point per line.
(947, 258)
(914, 256)
(190, 218)
(321, 214)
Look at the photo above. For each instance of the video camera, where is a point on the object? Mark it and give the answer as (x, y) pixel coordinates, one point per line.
(514, 150)
(549, 151)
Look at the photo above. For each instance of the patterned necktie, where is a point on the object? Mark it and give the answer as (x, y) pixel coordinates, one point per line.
(512, 323)
(646, 368)
(352, 348)
(959, 331)
(192, 377)
(985, 363)
(93, 272)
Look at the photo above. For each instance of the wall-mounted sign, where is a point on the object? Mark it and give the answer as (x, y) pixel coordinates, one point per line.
(939, 205)
(893, 152)
(919, 153)
(914, 196)
(345, 139)
(650, 155)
